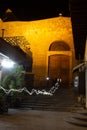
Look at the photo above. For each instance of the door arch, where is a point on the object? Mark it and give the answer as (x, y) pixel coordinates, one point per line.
(59, 46)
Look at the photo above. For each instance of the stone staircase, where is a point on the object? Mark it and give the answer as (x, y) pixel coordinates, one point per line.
(78, 119)
(64, 99)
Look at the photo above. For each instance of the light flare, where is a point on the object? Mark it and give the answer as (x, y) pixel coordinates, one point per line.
(37, 92)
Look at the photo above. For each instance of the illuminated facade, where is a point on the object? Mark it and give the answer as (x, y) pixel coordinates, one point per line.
(51, 43)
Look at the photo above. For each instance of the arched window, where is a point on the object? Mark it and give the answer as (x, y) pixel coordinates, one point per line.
(59, 46)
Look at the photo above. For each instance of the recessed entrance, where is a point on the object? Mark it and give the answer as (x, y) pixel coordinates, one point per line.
(59, 62)
(58, 67)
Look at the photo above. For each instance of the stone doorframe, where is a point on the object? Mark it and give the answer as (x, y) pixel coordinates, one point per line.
(67, 53)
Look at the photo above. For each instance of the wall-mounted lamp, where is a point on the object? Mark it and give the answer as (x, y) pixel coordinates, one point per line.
(7, 63)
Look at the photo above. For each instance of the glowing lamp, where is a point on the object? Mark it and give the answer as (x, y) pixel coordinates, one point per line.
(7, 63)
(47, 78)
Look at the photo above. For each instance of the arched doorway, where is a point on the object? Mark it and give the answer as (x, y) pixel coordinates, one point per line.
(59, 63)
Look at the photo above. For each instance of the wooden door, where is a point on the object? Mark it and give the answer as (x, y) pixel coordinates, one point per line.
(58, 67)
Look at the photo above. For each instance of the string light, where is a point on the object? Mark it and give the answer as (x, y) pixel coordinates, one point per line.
(43, 92)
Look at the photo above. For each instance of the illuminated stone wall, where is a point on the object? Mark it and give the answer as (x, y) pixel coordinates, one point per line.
(40, 34)
(1, 24)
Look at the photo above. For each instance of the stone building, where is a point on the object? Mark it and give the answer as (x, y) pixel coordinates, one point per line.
(51, 43)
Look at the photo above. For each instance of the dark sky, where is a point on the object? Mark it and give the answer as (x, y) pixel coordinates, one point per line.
(35, 9)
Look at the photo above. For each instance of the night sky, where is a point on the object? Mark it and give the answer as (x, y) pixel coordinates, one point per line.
(35, 9)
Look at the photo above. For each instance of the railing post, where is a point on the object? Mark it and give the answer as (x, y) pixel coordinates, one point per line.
(86, 73)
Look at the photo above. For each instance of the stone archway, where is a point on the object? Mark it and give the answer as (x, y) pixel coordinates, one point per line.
(59, 46)
(59, 62)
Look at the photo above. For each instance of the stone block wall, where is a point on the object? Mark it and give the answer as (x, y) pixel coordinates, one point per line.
(40, 34)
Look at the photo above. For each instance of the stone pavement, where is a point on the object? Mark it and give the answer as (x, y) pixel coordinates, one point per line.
(25, 119)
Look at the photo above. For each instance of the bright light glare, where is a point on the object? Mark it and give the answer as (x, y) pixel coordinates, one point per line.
(7, 63)
(47, 78)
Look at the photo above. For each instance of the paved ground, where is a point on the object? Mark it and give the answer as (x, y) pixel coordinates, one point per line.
(25, 119)
(28, 119)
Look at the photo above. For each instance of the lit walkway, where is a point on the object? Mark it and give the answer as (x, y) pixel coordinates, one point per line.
(36, 120)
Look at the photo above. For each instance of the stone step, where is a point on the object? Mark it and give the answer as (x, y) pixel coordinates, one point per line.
(79, 118)
(55, 107)
(63, 99)
(84, 112)
(76, 122)
(50, 108)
